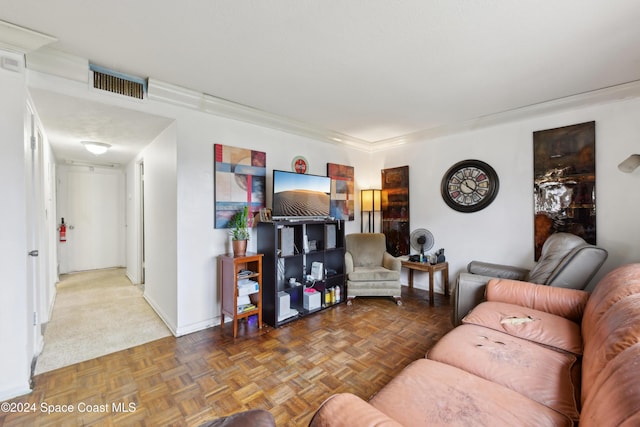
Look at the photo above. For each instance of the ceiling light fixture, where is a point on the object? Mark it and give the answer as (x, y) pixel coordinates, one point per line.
(96, 148)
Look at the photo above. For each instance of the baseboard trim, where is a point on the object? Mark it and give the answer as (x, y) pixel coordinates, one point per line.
(160, 314)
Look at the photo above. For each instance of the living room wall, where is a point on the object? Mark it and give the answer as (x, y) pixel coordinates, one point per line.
(503, 232)
(199, 243)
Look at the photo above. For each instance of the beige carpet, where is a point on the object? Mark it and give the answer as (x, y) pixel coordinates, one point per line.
(96, 313)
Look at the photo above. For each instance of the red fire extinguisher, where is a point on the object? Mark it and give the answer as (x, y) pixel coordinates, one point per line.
(63, 232)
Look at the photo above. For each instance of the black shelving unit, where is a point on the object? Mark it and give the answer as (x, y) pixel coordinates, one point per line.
(287, 256)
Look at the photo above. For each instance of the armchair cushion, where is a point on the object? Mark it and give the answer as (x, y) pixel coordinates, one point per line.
(367, 249)
(376, 273)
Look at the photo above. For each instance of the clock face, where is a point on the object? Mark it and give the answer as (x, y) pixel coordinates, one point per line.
(469, 186)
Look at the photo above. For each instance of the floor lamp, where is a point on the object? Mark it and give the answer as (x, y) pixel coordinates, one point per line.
(369, 203)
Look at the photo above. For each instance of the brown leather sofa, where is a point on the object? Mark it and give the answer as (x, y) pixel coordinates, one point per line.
(531, 355)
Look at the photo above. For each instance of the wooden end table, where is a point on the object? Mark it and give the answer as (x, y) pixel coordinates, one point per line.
(443, 267)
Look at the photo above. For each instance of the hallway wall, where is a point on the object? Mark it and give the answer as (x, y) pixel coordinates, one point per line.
(16, 306)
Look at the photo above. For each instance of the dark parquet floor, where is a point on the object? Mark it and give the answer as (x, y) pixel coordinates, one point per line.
(289, 371)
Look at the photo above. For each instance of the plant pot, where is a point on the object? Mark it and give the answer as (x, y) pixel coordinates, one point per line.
(239, 247)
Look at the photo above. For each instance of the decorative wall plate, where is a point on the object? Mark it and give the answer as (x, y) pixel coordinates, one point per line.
(469, 186)
(299, 165)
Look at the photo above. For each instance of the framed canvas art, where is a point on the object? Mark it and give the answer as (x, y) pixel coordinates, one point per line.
(240, 179)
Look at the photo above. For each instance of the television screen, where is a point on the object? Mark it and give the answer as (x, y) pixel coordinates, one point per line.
(300, 195)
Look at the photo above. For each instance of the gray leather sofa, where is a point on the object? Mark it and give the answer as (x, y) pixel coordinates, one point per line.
(371, 270)
(566, 261)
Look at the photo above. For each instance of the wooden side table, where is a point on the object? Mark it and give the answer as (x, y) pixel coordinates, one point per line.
(443, 267)
(229, 277)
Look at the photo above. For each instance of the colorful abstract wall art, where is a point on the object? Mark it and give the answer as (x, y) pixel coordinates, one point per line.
(240, 179)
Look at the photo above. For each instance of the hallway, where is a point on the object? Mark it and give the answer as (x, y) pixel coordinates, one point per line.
(96, 313)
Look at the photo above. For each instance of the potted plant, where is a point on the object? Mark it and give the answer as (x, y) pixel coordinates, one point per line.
(240, 233)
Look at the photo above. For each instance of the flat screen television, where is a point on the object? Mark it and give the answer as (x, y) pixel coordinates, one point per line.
(297, 195)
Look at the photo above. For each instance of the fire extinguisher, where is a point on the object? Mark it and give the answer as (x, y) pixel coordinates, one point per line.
(63, 232)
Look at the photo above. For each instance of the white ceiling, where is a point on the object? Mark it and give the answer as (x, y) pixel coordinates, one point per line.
(369, 69)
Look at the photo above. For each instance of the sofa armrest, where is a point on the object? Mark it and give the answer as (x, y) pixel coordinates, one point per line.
(497, 270)
(568, 303)
(346, 409)
(390, 262)
(467, 292)
(348, 262)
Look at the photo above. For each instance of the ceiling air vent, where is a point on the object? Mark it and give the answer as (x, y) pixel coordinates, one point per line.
(115, 82)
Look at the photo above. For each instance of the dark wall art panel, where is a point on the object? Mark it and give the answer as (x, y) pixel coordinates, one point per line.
(395, 210)
(565, 182)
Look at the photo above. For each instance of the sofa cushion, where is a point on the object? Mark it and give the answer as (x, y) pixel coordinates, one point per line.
(617, 330)
(568, 303)
(607, 294)
(429, 393)
(537, 372)
(616, 397)
(529, 324)
(372, 274)
(348, 410)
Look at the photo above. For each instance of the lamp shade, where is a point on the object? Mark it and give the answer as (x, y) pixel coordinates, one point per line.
(370, 200)
(630, 163)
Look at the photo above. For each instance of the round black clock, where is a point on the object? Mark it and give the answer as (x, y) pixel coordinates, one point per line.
(469, 186)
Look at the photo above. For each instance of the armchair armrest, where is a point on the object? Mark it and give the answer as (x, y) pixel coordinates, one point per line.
(348, 262)
(568, 303)
(390, 262)
(467, 292)
(497, 270)
(346, 409)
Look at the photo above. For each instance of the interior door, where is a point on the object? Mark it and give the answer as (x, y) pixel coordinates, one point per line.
(94, 213)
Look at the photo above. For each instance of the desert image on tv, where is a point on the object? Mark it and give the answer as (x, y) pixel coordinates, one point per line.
(301, 203)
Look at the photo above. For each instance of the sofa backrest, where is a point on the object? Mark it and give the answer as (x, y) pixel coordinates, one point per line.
(610, 329)
(367, 249)
(567, 261)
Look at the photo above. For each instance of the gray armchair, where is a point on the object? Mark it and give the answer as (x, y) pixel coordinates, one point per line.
(370, 269)
(566, 261)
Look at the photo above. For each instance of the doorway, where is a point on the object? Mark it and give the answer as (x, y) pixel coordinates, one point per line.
(91, 201)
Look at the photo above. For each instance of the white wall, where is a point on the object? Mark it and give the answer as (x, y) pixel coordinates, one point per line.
(161, 281)
(16, 330)
(503, 232)
(133, 221)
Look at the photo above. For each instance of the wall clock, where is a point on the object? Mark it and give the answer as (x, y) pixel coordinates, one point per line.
(469, 186)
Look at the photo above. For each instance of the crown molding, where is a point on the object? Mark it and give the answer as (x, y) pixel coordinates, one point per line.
(172, 94)
(615, 93)
(22, 40)
(51, 61)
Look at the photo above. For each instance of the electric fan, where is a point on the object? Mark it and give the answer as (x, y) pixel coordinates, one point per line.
(421, 240)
